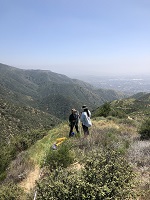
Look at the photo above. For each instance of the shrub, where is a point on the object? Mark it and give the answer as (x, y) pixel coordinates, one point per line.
(105, 175)
(25, 140)
(63, 156)
(144, 130)
(11, 192)
(5, 158)
(103, 110)
(117, 113)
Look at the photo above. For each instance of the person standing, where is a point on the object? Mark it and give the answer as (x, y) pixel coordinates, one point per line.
(73, 120)
(86, 120)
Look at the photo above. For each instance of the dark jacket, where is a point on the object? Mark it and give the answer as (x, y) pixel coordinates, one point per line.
(73, 118)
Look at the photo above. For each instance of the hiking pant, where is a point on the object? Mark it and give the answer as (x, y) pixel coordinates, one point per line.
(85, 130)
(72, 125)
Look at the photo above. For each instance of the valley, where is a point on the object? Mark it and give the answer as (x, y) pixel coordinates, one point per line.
(129, 84)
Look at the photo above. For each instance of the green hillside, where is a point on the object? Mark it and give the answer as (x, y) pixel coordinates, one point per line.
(49, 91)
(136, 107)
(112, 162)
(21, 127)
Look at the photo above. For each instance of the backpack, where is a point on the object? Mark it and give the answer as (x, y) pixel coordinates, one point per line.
(89, 123)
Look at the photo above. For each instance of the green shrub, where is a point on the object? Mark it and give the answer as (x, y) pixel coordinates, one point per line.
(118, 113)
(5, 158)
(144, 130)
(103, 110)
(105, 175)
(25, 140)
(11, 192)
(63, 156)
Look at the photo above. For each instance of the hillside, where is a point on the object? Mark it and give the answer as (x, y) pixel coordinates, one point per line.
(17, 119)
(50, 92)
(21, 127)
(136, 107)
(112, 161)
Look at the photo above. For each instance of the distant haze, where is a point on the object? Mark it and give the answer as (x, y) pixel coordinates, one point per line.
(72, 37)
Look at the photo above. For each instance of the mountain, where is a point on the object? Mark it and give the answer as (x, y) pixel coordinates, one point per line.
(50, 92)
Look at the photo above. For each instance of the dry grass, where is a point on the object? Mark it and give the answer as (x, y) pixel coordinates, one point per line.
(139, 157)
(19, 168)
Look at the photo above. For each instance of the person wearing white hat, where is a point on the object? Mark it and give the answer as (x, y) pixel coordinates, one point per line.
(86, 120)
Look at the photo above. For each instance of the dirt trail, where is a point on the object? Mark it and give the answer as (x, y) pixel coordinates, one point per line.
(29, 182)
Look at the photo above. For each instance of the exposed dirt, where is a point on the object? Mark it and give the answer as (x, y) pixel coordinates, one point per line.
(29, 182)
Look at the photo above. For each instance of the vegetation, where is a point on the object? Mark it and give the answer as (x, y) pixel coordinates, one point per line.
(105, 165)
(103, 110)
(144, 130)
(126, 108)
(11, 192)
(105, 175)
(63, 157)
(21, 127)
(107, 154)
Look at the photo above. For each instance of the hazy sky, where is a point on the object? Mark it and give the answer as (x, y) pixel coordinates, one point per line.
(76, 36)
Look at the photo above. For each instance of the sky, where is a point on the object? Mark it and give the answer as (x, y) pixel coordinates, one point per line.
(76, 37)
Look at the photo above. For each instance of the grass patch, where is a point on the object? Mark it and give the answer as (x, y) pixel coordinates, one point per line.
(38, 151)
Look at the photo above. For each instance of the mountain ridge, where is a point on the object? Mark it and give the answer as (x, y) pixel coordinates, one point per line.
(41, 88)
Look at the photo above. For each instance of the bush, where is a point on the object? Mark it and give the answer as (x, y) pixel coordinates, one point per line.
(63, 156)
(144, 130)
(103, 110)
(11, 192)
(5, 158)
(117, 113)
(105, 175)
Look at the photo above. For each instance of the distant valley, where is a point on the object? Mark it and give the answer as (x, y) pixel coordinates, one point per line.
(126, 84)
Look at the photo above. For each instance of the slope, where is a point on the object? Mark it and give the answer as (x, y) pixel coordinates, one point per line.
(106, 133)
(49, 91)
(136, 106)
(21, 127)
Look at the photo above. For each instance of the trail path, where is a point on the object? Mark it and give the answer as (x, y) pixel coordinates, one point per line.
(29, 182)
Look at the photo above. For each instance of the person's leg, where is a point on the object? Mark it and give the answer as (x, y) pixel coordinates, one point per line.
(85, 130)
(71, 129)
(76, 127)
